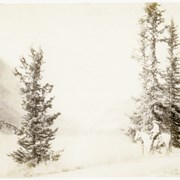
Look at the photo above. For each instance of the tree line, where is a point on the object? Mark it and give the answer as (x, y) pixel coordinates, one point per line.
(160, 76)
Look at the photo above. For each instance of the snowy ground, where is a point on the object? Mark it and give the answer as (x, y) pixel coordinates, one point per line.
(93, 155)
(154, 167)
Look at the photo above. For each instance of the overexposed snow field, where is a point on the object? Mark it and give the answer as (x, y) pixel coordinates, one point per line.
(92, 155)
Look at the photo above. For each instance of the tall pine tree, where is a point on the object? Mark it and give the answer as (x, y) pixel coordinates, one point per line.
(152, 29)
(173, 81)
(173, 70)
(154, 24)
(36, 127)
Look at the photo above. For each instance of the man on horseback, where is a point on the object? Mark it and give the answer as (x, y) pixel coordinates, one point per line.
(161, 131)
(159, 137)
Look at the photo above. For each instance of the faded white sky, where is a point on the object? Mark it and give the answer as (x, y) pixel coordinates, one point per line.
(87, 49)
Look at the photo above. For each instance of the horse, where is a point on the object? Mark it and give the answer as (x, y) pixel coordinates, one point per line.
(149, 145)
(145, 140)
(163, 140)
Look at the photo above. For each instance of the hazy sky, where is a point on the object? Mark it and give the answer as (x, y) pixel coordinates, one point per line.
(87, 49)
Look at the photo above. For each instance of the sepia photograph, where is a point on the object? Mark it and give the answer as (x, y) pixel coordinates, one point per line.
(89, 89)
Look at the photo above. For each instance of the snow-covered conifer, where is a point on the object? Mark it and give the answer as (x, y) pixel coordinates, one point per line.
(173, 80)
(36, 126)
(151, 33)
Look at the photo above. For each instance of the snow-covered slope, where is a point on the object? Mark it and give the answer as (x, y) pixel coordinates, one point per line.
(153, 167)
(92, 155)
(10, 100)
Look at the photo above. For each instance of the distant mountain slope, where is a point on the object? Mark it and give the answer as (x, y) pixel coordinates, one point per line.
(10, 99)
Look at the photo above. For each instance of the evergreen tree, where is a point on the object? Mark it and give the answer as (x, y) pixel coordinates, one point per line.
(152, 29)
(139, 116)
(173, 81)
(173, 70)
(36, 127)
(154, 24)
